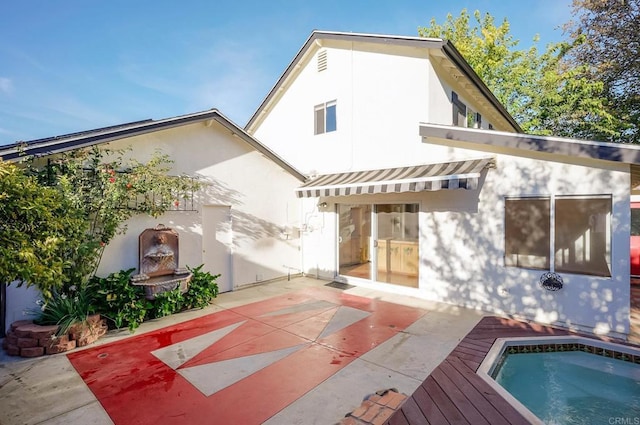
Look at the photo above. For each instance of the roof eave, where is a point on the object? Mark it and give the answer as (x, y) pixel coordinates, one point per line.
(461, 63)
(63, 144)
(614, 152)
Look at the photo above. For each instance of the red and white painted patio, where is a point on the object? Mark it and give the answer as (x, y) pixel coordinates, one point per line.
(279, 353)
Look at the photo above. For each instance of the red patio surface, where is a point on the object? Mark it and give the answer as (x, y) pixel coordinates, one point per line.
(268, 353)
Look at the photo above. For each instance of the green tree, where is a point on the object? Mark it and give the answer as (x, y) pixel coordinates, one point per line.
(607, 49)
(37, 224)
(540, 90)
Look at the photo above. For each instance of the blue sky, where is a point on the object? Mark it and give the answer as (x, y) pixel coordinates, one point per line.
(74, 65)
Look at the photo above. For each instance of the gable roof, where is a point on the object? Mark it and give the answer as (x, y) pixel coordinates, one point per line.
(454, 61)
(68, 142)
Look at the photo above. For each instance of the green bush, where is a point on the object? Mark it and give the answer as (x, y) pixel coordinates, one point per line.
(203, 288)
(66, 309)
(166, 304)
(74, 205)
(38, 224)
(122, 303)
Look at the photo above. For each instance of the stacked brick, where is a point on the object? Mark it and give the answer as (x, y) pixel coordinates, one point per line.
(376, 409)
(26, 339)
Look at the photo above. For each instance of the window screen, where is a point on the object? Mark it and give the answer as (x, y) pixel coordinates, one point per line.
(582, 236)
(527, 232)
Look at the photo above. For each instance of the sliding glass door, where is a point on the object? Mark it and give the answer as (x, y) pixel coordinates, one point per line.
(354, 240)
(379, 242)
(397, 244)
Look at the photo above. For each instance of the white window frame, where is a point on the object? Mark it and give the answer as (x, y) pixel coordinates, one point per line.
(321, 128)
(552, 230)
(474, 119)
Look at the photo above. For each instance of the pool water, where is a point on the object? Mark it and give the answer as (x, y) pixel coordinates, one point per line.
(573, 387)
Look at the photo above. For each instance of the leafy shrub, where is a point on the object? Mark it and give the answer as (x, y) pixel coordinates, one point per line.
(65, 310)
(203, 288)
(166, 304)
(122, 303)
(38, 224)
(73, 205)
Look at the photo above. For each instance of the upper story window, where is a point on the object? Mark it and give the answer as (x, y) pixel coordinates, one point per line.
(325, 117)
(474, 119)
(463, 116)
(459, 111)
(566, 234)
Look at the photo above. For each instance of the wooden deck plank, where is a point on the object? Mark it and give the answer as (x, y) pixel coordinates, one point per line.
(477, 344)
(429, 407)
(477, 357)
(503, 406)
(413, 413)
(474, 366)
(398, 418)
(466, 350)
(488, 340)
(446, 406)
(486, 409)
(458, 397)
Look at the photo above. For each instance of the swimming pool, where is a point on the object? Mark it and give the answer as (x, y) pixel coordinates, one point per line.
(566, 380)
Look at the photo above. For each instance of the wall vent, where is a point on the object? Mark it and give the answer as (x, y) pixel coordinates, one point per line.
(322, 60)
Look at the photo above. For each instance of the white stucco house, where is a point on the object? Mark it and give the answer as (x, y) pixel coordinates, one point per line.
(422, 183)
(239, 225)
(385, 162)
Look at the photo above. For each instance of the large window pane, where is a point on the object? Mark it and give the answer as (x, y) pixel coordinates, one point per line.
(319, 119)
(397, 244)
(527, 233)
(582, 236)
(331, 117)
(354, 239)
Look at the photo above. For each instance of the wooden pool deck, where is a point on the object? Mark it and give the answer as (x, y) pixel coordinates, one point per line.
(455, 394)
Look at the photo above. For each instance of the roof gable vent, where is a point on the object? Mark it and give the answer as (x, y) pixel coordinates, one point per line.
(322, 60)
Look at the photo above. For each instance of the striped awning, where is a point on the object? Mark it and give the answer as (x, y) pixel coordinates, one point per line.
(416, 178)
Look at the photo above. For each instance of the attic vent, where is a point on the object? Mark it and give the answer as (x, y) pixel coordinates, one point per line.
(322, 60)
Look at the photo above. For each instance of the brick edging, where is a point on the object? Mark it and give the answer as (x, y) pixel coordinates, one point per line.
(376, 408)
(27, 339)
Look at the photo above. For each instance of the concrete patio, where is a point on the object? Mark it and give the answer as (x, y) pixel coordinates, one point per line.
(49, 390)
